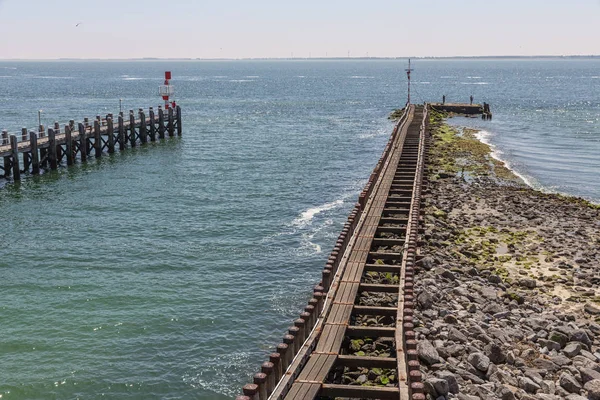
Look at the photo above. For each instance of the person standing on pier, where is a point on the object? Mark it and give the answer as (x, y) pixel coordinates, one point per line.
(444, 99)
(471, 99)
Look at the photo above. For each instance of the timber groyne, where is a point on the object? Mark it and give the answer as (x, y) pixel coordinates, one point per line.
(355, 338)
(32, 151)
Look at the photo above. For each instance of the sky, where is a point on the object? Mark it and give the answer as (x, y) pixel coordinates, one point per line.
(36, 29)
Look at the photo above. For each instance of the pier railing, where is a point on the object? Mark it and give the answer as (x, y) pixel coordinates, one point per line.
(41, 149)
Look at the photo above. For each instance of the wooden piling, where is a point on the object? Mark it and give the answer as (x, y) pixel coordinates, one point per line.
(97, 139)
(152, 125)
(5, 139)
(143, 135)
(7, 166)
(69, 145)
(82, 143)
(122, 143)
(42, 131)
(260, 379)
(35, 157)
(110, 131)
(171, 123)
(24, 134)
(161, 123)
(14, 146)
(179, 128)
(131, 128)
(52, 149)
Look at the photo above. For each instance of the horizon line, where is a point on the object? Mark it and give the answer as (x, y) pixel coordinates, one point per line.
(304, 58)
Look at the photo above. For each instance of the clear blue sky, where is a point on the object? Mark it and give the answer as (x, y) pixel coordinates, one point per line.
(39, 29)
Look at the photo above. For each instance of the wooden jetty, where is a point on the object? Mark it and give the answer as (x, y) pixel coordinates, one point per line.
(32, 151)
(366, 291)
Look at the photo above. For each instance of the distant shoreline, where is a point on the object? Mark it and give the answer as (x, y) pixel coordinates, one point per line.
(539, 57)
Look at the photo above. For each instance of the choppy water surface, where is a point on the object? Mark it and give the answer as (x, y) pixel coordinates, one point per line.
(169, 271)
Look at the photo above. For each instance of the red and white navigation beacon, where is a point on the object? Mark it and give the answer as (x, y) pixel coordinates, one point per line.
(167, 90)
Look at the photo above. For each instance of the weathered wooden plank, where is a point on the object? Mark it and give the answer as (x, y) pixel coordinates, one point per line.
(16, 170)
(161, 123)
(171, 122)
(35, 156)
(97, 139)
(52, 149)
(360, 392)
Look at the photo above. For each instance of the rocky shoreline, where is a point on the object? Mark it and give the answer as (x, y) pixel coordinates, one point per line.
(508, 289)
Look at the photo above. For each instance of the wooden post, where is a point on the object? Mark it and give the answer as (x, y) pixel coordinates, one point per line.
(5, 139)
(42, 131)
(52, 149)
(178, 109)
(7, 166)
(69, 144)
(161, 123)
(14, 146)
(82, 142)
(143, 135)
(97, 138)
(132, 128)
(152, 125)
(111, 135)
(171, 123)
(35, 157)
(24, 134)
(122, 142)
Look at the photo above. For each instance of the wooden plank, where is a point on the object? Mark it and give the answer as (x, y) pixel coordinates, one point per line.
(370, 331)
(143, 134)
(153, 124)
(360, 392)
(366, 362)
(97, 139)
(161, 123)
(179, 127)
(132, 134)
(110, 131)
(83, 146)
(16, 169)
(171, 126)
(35, 157)
(52, 149)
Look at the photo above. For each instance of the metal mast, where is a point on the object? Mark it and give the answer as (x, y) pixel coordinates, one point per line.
(408, 71)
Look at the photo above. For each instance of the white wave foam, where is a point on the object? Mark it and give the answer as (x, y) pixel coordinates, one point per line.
(241, 80)
(474, 83)
(473, 77)
(484, 137)
(379, 132)
(307, 216)
(301, 76)
(425, 83)
(252, 76)
(133, 79)
(361, 77)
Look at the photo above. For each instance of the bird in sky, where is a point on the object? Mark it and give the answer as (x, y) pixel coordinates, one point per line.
(77, 24)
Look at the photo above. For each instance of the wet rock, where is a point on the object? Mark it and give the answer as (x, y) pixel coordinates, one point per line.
(593, 389)
(479, 361)
(450, 378)
(528, 385)
(588, 374)
(569, 383)
(572, 349)
(581, 336)
(495, 353)
(558, 337)
(591, 308)
(427, 352)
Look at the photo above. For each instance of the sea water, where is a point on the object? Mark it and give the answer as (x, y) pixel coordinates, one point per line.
(171, 270)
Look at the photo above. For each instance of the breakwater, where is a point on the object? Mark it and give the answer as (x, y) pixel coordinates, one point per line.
(31, 151)
(359, 327)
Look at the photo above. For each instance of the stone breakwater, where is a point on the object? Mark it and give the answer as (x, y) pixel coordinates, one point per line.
(508, 289)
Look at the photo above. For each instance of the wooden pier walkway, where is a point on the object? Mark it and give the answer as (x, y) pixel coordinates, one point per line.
(32, 151)
(356, 337)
